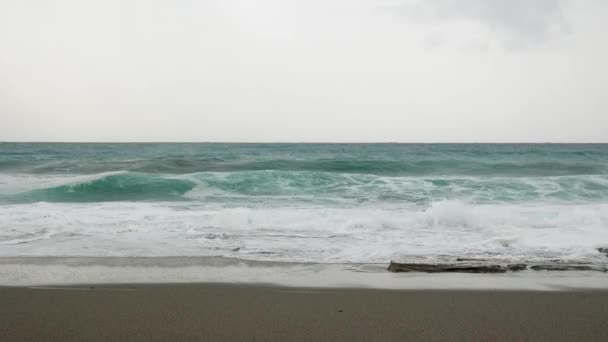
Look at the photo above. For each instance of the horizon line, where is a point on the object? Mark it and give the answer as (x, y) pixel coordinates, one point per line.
(292, 142)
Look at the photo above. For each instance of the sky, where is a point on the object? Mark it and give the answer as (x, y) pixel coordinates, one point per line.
(304, 71)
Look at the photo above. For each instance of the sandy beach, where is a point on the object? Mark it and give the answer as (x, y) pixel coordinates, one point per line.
(220, 312)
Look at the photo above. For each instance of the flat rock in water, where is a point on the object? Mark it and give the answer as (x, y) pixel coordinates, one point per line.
(464, 267)
(447, 264)
(567, 267)
(517, 267)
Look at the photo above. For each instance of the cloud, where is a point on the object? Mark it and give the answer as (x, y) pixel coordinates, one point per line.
(515, 23)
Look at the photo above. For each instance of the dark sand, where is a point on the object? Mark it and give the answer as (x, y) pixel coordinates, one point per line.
(208, 312)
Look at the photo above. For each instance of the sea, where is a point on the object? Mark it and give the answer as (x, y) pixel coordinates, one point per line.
(305, 203)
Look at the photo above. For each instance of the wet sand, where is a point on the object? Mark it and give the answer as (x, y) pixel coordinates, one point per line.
(217, 312)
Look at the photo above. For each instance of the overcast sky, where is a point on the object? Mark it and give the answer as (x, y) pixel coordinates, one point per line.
(314, 70)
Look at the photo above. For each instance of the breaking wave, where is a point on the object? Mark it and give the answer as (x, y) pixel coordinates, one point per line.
(122, 186)
(314, 186)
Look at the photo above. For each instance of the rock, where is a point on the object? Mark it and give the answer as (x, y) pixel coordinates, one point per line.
(449, 268)
(567, 267)
(448, 264)
(517, 267)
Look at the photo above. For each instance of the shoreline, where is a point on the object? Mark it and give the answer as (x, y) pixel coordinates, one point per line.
(71, 271)
(221, 312)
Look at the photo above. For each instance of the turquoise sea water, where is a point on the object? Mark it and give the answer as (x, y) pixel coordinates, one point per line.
(304, 202)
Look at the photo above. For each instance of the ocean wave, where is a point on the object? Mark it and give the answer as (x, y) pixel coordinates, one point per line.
(118, 186)
(189, 164)
(417, 190)
(300, 186)
(498, 160)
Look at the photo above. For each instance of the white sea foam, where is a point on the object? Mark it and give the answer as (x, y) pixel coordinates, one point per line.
(304, 233)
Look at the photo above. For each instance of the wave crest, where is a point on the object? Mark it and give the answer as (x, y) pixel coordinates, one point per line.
(123, 186)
